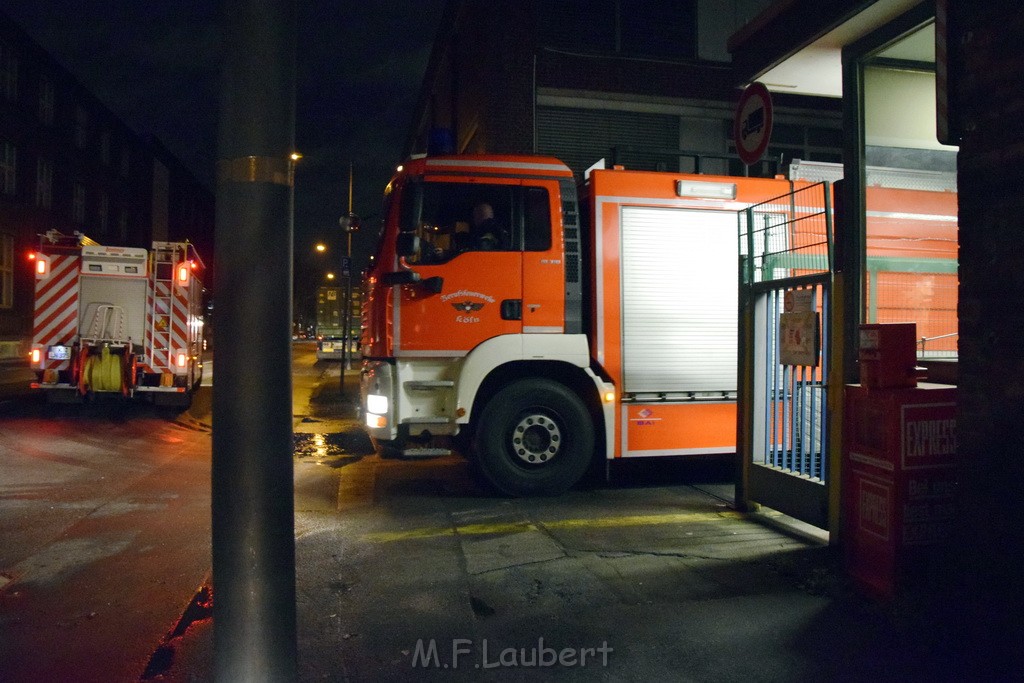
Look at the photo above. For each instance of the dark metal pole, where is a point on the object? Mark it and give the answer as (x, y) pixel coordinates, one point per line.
(344, 331)
(252, 479)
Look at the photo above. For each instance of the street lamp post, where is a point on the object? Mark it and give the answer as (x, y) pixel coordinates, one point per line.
(349, 224)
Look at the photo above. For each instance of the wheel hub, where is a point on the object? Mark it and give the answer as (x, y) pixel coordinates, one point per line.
(536, 439)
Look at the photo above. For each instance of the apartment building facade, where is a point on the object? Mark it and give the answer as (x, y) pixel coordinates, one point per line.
(68, 163)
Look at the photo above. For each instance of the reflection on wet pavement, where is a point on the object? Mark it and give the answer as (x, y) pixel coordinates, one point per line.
(347, 445)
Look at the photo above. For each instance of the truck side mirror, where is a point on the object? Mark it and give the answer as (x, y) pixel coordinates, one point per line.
(401, 277)
(407, 244)
(434, 285)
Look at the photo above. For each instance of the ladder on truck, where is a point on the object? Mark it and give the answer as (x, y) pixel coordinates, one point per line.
(165, 256)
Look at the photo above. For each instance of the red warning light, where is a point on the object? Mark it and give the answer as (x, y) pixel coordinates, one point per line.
(42, 266)
(183, 270)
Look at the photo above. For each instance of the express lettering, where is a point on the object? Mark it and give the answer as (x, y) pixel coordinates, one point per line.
(874, 509)
(924, 438)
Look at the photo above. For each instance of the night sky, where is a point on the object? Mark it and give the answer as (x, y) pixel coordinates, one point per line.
(360, 66)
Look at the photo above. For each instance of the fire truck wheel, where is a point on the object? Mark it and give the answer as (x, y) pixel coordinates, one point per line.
(534, 438)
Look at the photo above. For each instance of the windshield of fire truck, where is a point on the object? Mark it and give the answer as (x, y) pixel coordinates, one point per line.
(451, 218)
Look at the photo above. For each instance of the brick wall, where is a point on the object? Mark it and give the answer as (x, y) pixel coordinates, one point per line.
(989, 100)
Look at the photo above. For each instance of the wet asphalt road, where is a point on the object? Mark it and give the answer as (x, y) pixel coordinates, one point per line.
(104, 536)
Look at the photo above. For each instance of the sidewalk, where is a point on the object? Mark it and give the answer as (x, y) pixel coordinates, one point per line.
(409, 571)
(417, 575)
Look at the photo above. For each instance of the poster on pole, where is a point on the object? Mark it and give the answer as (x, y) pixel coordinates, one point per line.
(799, 329)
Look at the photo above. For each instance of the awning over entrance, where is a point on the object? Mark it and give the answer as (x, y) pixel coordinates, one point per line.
(795, 46)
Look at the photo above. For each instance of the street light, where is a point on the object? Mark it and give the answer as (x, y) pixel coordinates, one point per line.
(349, 223)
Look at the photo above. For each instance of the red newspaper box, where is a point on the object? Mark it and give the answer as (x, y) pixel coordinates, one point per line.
(888, 355)
(899, 481)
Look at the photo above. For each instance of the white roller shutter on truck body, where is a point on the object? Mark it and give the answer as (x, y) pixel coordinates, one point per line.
(679, 289)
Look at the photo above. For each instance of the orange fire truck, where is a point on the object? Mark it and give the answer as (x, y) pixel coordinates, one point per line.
(558, 323)
(117, 320)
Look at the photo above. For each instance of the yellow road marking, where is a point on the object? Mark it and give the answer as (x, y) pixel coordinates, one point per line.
(517, 527)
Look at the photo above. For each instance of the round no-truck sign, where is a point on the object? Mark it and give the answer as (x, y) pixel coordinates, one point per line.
(752, 127)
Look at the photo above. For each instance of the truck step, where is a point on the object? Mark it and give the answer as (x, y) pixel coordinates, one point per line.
(428, 384)
(427, 421)
(425, 452)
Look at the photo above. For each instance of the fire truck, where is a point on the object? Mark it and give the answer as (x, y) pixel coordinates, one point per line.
(574, 322)
(117, 320)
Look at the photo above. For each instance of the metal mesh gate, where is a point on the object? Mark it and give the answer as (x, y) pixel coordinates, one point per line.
(786, 256)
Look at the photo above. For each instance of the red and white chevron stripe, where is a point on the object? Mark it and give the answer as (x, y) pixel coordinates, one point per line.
(56, 306)
(179, 323)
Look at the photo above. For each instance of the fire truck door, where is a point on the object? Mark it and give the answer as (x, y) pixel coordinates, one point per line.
(544, 265)
(473, 252)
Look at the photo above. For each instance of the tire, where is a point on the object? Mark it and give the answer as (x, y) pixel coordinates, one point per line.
(534, 438)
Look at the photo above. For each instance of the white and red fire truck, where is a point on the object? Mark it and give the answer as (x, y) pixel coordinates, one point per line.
(117, 320)
(563, 326)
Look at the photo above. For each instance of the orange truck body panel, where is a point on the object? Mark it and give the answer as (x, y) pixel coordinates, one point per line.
(688, 426)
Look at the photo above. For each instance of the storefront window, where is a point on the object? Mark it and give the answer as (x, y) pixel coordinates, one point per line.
(910, 198)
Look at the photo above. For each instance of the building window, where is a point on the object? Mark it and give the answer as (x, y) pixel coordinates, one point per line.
(8, 72)
(637, 28)
(8, 169)
(44, 184)
(6, 271)
(78, 203)
(46, 99)
(578, 25)
(104, 212)
(657, 28)
(81, 127)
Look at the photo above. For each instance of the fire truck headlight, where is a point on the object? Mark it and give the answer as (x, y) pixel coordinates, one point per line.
(377, 404)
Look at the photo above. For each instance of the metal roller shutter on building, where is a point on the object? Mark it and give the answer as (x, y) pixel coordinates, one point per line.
(580, 137)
